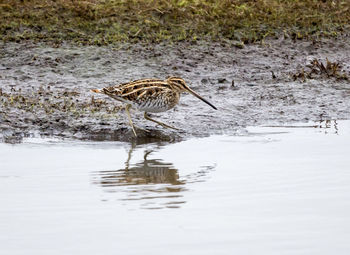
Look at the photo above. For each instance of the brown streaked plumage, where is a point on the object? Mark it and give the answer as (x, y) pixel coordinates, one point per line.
(150, 95)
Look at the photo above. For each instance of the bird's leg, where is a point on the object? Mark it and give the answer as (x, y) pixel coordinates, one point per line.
(127, 107)
(158, 122)
(133, 145)
(131, 123)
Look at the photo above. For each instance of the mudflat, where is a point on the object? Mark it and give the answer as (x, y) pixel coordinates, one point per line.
(45, 90)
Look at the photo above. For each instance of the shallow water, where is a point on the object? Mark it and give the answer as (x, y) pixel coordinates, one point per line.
(272, 190)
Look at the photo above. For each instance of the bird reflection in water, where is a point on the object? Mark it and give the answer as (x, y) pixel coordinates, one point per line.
(149, 171)
(154, 183)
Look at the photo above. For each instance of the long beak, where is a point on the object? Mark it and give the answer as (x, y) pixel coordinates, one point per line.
(201, 98)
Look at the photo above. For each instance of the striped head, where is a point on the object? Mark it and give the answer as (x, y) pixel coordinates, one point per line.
(177, 83)
(180, 85)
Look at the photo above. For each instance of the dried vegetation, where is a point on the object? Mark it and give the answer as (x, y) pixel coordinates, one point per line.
(316, 69)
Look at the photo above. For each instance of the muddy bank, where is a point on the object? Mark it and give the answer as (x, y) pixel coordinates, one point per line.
(46, 91)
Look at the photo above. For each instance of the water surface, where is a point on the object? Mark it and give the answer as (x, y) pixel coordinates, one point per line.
(272, 190)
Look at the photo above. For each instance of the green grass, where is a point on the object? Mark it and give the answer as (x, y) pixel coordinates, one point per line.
(102, 22)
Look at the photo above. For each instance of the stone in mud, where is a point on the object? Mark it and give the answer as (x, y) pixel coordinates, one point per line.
(222, 80)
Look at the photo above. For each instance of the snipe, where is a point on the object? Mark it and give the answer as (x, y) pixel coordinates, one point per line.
(150, 95)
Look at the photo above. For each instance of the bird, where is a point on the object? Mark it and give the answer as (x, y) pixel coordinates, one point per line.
(150, 96)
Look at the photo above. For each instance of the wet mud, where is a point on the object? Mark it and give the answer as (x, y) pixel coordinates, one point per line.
(45, 91)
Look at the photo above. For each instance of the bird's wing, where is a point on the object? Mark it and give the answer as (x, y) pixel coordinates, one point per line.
(137, 90)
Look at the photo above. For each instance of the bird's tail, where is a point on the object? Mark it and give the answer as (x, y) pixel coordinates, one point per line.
(96, 90)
